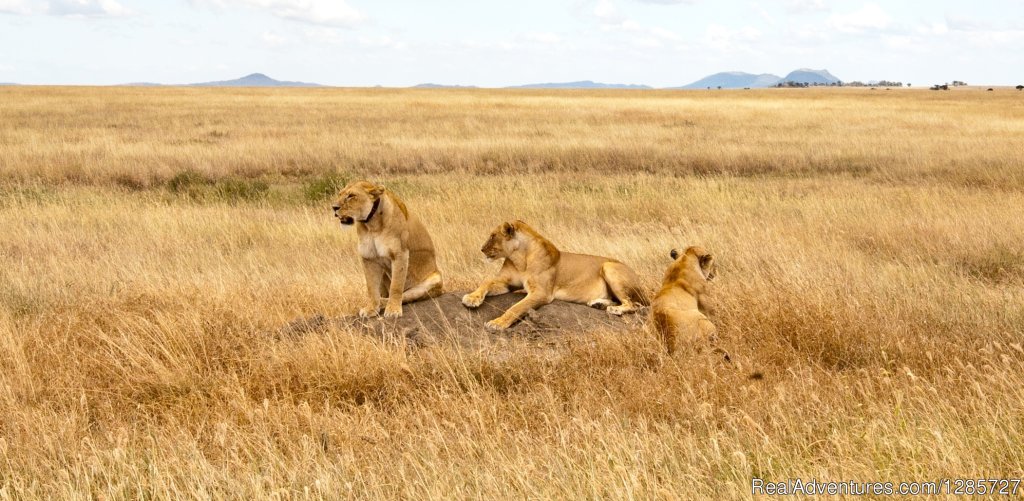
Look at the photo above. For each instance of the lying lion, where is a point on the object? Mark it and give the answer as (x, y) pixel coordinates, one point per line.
(536, 265)
(676, 311)
(398, 255)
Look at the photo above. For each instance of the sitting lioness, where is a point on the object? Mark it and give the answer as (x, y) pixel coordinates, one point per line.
(398, 255)
(535, 264)
(676, 311)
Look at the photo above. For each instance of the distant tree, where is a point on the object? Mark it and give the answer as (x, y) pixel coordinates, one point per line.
(889, 83)
(1020, 87)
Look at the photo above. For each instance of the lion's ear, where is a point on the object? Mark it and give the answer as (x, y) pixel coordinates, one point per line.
(707, 266)
(674, 254)
(377, 190)
(509, 230)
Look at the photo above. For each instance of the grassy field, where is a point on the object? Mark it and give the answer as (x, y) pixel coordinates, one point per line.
(870, 266)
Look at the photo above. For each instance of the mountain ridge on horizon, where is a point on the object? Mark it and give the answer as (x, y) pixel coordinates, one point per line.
(579, 84)
(741, 79)
(250, 80)
(723, 80)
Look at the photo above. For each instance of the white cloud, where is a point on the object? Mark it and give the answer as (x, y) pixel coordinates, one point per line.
(273, 40)
(967, 24)
(322, 35)
(610, 19)
(664, 33)
(66, 8)
(646, 43)
(996, 39)
(542, 38)
(939, 28)
(322, 12)
(15, 7)
(870, 17)
(804, 6)
(607, 12)
(727, 39)
(325, 36)
(379, 42)
(87, 8)
(762, 13)
(667, 2)
(906, 43)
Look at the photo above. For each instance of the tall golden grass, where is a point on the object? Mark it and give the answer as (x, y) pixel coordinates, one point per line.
(870, 257)
(145, 136)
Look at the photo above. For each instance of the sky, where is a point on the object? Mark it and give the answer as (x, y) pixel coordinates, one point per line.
(489, 43)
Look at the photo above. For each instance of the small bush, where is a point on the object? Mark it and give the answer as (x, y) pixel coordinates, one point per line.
(21, 304)
(184, 182)
(199, 187)
(131, 181)
(323, 187)
(998, 265)
(239, 189)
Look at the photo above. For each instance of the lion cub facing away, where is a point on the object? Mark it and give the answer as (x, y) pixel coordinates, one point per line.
(676, 311)
(533, 263)
(398, 255)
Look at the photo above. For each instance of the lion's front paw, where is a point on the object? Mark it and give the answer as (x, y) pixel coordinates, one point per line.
(369, 311)
(497, 324)
(617, 310)
(472, 300)
(393, 310)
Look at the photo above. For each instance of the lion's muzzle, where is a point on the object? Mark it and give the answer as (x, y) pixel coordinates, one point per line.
(346, 220)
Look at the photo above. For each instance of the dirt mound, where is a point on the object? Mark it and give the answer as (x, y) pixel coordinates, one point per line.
(431, 321)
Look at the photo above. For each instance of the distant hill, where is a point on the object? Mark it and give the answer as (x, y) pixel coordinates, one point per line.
(443, 86)
(810, 76)
(739, 79)
(5, 83)
(585, 84)
(254, 80)
(734, 80)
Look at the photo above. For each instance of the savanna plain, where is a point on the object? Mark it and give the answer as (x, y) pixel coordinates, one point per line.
(153, 240)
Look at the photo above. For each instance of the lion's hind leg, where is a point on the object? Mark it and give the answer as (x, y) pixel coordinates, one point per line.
(431, 287)
(665, 327)
(623, 284)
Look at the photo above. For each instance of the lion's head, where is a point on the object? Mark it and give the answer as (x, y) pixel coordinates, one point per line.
(357, 202)
(502, 242)
(695, 257)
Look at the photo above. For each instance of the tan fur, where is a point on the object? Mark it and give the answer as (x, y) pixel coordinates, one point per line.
(398, 255)
(533, 263)
(676, 311)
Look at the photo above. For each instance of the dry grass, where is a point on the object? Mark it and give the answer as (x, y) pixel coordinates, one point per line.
(144, 136)
(870, 257)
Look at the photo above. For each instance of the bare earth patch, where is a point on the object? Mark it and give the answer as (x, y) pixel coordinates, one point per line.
(444, 318)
